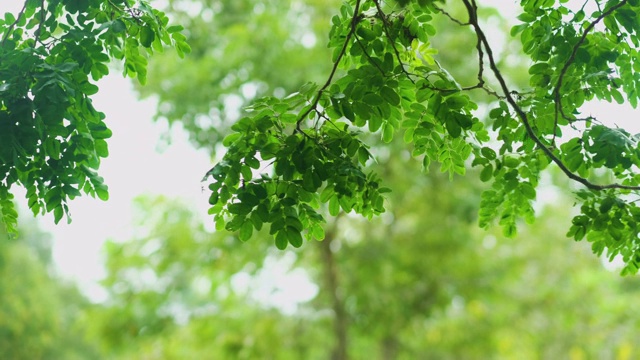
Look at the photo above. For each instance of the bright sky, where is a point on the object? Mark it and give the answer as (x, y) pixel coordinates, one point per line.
(135, 166)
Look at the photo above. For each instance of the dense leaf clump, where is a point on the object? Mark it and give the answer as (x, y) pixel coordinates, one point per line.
(51, 54)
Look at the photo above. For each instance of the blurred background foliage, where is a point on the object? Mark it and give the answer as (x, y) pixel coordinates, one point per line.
(242, 50)
(41, 315)
(419, 282)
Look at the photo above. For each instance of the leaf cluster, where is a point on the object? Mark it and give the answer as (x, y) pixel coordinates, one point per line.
(52, 53)
(386, 79)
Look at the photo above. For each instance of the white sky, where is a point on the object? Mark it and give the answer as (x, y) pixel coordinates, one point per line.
(135, 167)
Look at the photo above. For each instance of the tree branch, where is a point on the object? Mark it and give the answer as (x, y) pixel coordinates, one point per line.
(451, 17)
(41, 22)
(480, 76)
(472, 10)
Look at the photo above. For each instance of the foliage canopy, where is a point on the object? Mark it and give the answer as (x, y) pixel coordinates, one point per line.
(294, 155)
(391, 82)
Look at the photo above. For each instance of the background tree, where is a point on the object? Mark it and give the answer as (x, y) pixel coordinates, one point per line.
(41, 315)
(173, 293)
(406, 291)
(245, 54)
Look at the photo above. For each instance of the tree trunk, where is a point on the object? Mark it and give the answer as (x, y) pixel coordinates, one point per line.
(389, 348)
(337, 302)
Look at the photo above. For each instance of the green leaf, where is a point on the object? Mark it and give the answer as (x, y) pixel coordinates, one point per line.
(102, 192)
(239, 208)
(606, 205)
(510, 230)
(538, 68)
(57, 214)
(390, 96)
(118, 26)
(102, 150)
(236, 223)
(365, 33)
(486, 173)
(373, 99)
(488, 153)
(175, 28)
(246, 230)
(317, 232)
(527, 190)
(453, 128)
(9, 18)
(256, 220)
(52, 147)
(375, 123)
(147, 35)
(282, 240)
(511, 161)
(387, 133)
(231, 138)
(334, 206)
(89, 88)
(326, 194)
(294, 237)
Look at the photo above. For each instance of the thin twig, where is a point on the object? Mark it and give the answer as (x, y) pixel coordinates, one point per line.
(480, 53)
(41, 22)
(314, 104)
(369, 58)
(13, 25)
(451, 17)
(480, 76)
(556, 91)
(391, 40)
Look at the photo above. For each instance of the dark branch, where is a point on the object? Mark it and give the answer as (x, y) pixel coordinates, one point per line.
(481, 82)
(41, 22)
(451, 17)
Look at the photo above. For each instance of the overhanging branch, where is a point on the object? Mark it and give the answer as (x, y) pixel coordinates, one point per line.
(472, 11)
